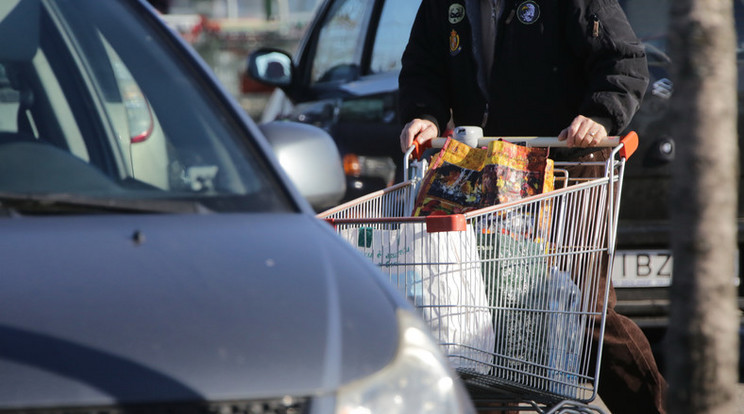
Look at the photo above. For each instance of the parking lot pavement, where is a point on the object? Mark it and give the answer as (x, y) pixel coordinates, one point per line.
(739, 401)
(600, 404)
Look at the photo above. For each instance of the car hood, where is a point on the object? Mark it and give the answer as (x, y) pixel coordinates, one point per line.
(126, 309)
(385, 82)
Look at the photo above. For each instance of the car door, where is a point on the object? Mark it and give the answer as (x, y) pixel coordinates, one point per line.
(348, 68)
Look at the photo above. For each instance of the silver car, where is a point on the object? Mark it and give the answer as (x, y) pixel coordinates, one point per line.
(157, 258)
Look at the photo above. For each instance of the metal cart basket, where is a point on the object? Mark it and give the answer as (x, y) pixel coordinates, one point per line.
(515, 293)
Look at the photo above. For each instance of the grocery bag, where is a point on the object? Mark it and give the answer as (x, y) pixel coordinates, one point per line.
(440, 274)
(462, 178)
(515, 271)
(539, 326)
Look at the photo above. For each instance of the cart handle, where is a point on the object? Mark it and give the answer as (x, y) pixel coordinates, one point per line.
(629, 143)
(434, 223)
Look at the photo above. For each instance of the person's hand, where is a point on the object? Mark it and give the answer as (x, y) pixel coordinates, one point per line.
(421, 130)
(583, 132)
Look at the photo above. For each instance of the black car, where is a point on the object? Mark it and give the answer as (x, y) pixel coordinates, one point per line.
(344, 79)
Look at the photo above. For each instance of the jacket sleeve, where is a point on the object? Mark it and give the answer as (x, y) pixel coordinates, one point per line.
(423, 77)
(615, 63)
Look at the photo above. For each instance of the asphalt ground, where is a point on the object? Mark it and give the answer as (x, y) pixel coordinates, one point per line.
(739, 404)
(598, 403)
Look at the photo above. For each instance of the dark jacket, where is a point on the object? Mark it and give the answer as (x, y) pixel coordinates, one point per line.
(570, 57)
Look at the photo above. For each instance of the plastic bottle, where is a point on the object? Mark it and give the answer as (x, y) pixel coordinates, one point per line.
(564, 332)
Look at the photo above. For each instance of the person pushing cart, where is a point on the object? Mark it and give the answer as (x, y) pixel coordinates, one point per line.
(570, 68)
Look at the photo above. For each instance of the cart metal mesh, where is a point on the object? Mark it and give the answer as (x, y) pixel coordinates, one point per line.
(515, 293)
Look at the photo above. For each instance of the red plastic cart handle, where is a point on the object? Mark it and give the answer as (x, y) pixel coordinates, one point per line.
(630, 144)
(418, 150)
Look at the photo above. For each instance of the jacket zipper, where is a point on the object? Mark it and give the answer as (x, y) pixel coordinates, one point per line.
(499, 28)
(485, 117)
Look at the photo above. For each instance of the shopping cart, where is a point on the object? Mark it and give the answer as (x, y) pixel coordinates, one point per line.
(515, 293)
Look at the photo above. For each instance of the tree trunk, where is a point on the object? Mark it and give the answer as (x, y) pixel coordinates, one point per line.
(702, 342)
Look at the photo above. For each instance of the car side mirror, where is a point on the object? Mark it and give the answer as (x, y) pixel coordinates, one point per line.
(270, 66)
(310, 158)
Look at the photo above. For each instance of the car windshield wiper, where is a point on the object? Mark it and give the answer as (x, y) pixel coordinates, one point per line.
(76, 204)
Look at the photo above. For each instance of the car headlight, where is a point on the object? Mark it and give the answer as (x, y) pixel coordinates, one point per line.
(419, 379)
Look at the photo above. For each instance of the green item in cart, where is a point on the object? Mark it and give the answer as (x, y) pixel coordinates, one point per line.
(513, 267)
(515, 270)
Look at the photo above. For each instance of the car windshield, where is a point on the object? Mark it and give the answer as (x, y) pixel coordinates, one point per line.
(97, 106)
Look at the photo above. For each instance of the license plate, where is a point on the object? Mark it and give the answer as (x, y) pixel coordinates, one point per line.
(647, 268)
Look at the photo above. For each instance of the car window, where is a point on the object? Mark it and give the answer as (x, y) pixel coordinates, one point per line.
(650, 20)
(9, 101)
(392, 35)
(95, 103)
(340, 41)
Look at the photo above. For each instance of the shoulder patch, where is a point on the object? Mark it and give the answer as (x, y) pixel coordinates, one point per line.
(528, 12)
(456, 13)
(454, 43)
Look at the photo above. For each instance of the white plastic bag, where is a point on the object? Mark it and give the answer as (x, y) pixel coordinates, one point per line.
(440, 273)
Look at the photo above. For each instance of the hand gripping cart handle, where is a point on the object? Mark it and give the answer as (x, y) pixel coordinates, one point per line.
(515, 293)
